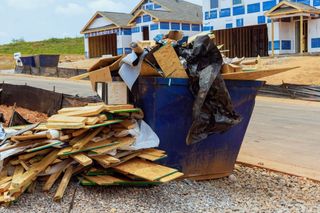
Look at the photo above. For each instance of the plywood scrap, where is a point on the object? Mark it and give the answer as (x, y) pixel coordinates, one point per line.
(101, 75)
(169, 62)
(144, 169)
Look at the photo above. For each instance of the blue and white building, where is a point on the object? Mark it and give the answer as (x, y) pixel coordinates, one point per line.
(293, 26)
(112, 33)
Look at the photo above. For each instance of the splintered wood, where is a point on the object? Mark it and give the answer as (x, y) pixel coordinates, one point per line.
(88, 142)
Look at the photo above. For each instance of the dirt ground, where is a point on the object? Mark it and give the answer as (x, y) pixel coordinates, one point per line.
(7, 61)
(31, 116)
(308, 73)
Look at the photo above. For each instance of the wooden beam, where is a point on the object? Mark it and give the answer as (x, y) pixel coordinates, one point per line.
(63, 185)
(301, 35)
(272, 36)
(34, 170)
(82, 159)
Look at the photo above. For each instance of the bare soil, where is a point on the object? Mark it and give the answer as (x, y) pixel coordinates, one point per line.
(31, 116)
(307, 74)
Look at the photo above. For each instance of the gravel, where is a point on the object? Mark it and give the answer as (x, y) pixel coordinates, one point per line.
(247, 190)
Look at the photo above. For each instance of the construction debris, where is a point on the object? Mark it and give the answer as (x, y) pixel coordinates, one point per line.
(99, 144)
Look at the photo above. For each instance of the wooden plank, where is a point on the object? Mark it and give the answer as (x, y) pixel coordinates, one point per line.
(79, 132)
(254, 75)
(5, 180)
(82, 159)
(82, 111)
(171, 177)
(128, 124)
(105, 160)
(51, 180)
(169, 62)
(92, 120)
(60, 126)
(79, 145)
(145, 169)
(106, 123)
(118, 107)
(80, 77)
(151, 157)
(66, 119)
(89, 147)
(45, 146)
(29, 137)
(31, 155)
(34, 170)
(122, 142)
(63, 184)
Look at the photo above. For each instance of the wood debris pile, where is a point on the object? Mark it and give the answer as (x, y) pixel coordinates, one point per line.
(91, 143)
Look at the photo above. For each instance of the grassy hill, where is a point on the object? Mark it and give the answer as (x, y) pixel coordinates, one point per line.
(50, 46)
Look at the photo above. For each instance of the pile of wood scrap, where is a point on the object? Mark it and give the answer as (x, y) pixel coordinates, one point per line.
(232, 65)
(93, 143)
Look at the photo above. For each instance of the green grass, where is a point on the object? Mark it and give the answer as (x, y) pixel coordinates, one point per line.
(50, 46)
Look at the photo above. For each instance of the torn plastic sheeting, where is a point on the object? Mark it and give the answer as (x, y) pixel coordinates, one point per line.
(130, 72)
(144, 135)
(17, 120)
(2, 132)
(213, 111)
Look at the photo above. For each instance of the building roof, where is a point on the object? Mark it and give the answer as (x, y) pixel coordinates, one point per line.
(172, 10)
(287, 8)
(179, 10)
(119, 19)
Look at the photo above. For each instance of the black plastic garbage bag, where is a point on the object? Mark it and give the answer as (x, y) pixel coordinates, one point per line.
(213, 111)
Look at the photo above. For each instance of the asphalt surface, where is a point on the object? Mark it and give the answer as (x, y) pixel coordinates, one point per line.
(281, 130)
(81, 88)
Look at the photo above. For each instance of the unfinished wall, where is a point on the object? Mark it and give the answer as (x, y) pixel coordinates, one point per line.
(314, 35)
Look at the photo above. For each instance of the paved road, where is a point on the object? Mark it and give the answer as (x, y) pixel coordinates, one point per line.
(81, 88)
(284, 135)
(281, 131)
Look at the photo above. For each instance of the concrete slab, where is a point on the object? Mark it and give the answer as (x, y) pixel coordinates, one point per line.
(284, 136)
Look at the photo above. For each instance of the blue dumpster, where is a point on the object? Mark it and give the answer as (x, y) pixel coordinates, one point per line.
(167, 104)
(28, 61)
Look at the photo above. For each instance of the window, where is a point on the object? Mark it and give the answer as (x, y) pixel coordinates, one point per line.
(214, 4)
(186, 27)
(235, 2)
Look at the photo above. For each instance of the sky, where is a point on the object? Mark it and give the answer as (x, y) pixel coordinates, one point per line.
(35, 20)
